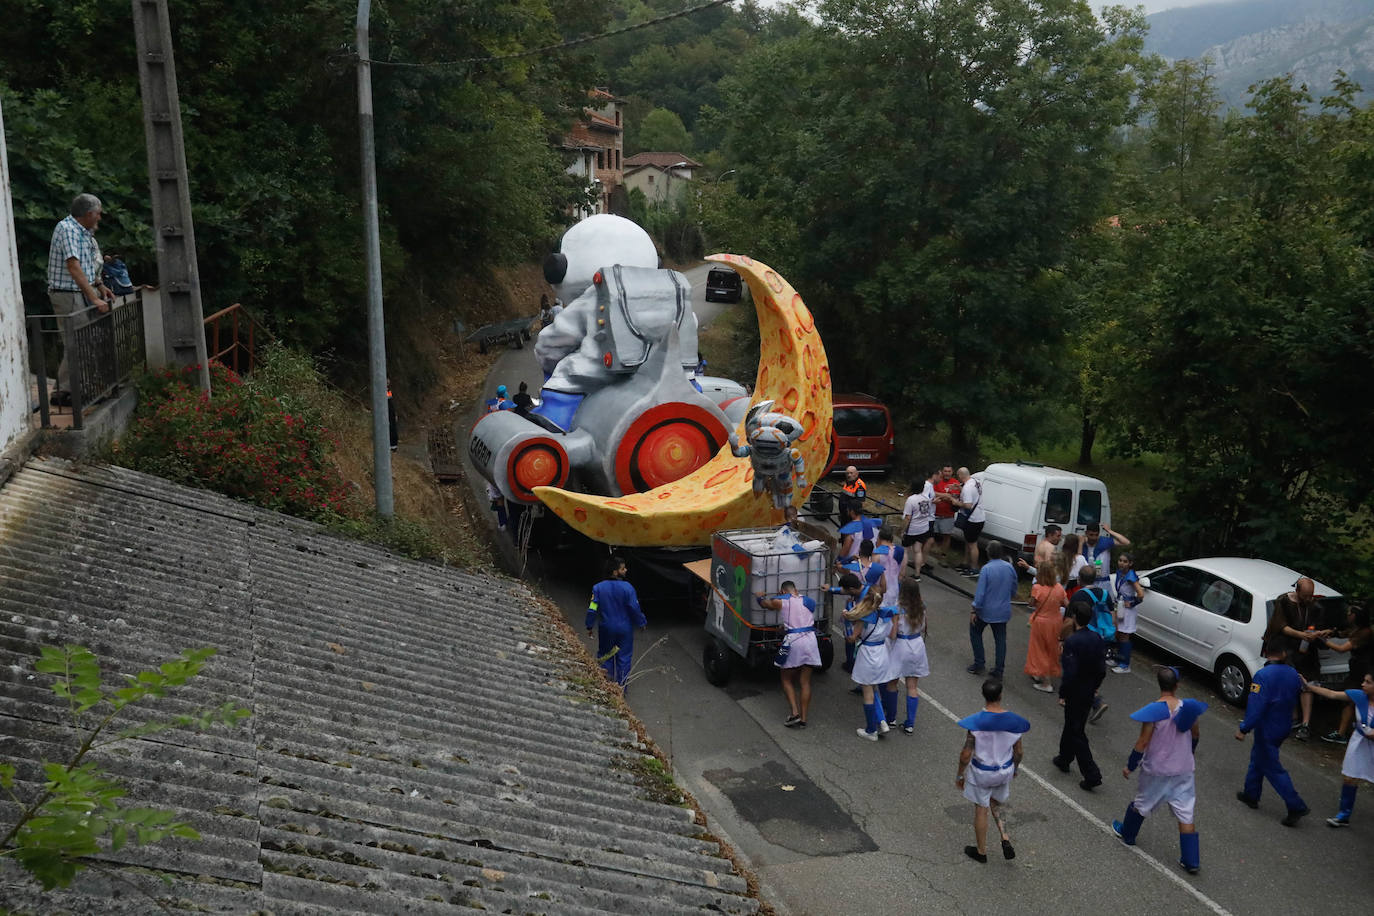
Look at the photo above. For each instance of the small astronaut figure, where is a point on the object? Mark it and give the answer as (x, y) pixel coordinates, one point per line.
(776, 462)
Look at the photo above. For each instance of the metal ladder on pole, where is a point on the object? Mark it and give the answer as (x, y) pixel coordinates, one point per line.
(179, 277)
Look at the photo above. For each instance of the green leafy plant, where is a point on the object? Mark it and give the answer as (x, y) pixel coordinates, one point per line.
(78, 806)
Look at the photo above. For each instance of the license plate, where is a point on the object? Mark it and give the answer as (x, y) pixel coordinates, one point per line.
(860, 455)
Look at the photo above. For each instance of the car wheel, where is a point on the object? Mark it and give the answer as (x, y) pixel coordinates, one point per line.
(827, 647)
(1233, 680)
(717, 660)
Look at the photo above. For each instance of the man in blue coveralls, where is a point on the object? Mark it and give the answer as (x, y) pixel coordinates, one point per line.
(1269, 713)
(616, 606)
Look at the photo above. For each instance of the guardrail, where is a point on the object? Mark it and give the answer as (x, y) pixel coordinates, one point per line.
(103, 350)
(236, 354)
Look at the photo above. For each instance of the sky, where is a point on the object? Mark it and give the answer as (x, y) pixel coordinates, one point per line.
(1155, 6)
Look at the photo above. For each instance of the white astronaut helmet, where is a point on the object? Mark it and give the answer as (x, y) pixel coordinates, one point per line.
(596, 242)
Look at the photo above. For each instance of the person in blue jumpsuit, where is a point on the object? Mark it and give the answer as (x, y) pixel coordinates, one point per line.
(1269, 714)
(614, 609)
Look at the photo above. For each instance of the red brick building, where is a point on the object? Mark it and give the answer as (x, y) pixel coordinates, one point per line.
(597, 143)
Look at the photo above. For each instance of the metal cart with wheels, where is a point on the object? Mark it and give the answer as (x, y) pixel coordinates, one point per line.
(751, 560)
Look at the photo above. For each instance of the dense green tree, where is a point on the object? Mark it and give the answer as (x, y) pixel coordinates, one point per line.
(661, 130)
(468, 169)
(937, 157)
(1250, 324)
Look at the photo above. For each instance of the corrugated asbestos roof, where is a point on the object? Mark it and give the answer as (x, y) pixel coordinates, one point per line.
(423, 740)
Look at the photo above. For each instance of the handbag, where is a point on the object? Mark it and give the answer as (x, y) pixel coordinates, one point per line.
(780, 660)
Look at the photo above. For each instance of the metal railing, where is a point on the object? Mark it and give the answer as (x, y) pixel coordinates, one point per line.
(103, 350)
(241, 334)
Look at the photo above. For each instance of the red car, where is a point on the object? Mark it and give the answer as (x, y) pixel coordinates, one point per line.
(863, 434)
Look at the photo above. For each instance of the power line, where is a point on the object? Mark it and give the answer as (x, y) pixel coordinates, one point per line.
(570, 43)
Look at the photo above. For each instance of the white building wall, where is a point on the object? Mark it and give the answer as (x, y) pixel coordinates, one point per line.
(14, 360)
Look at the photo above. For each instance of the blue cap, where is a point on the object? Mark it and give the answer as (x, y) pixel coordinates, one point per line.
(500, 391)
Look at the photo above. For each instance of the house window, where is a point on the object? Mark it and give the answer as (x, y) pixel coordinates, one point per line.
(617, 159)
(598, 159)
(651, 179)
(617, 117)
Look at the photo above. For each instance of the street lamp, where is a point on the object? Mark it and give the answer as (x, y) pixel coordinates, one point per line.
(716, 183)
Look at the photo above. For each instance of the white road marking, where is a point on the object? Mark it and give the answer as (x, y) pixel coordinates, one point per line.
(1154, 863)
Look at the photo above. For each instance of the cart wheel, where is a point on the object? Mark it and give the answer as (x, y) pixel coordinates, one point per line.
(481, 346)
(827, 654)
(716, 659)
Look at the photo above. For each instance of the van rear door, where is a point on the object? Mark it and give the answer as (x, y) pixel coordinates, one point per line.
(1089, 509)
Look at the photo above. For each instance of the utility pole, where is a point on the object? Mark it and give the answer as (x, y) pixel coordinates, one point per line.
(183, 320)
(376, 330)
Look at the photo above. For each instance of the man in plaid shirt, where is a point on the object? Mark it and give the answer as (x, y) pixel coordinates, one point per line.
(74, 282)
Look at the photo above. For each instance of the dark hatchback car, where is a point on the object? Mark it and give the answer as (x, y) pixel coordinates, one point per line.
(722, 285)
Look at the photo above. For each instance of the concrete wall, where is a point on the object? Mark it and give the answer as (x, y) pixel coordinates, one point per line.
(14, 359)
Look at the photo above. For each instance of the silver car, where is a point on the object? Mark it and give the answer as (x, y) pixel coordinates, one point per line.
(1213, 612)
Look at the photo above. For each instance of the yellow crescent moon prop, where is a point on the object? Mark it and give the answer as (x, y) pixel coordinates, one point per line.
(793, 372)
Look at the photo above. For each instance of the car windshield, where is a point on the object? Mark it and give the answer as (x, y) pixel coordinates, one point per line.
(860, 421)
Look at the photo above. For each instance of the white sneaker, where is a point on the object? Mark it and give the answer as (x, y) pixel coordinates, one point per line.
(883, 727)
(1043, 687)
(867, 735)
(1122, 669)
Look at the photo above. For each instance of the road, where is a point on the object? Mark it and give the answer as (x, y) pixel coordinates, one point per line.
(833, 824)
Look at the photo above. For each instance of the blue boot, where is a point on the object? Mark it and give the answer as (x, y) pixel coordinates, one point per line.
(889, 705)
(1342, 819)
(870, 731)
(1189, 856)
(1129, 826)
(911, 705)
(558, 407)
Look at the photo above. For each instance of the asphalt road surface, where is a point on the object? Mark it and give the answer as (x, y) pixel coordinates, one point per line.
(833, 824)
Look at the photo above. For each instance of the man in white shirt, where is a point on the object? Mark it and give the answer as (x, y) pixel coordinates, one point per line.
(970, 500)
(917, 516)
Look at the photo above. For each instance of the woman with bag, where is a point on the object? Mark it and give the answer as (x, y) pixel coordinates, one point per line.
(1047, 617)
(799, 652)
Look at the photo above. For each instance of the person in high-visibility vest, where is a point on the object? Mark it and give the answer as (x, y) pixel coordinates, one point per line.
(854, 485)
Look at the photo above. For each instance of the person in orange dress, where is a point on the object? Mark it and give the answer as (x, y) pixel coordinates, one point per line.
(1047, 614)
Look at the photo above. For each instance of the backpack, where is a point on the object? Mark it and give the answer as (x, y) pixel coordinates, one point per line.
(1103, 620)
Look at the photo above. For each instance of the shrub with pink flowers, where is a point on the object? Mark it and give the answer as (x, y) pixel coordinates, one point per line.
(239, 440)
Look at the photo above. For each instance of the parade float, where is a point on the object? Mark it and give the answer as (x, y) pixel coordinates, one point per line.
(624, 447)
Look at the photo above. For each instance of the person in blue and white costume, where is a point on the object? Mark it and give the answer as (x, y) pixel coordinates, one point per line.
(908, 655)
(856, 529)
(797, 615)
(989, 761)
(1129, 593)
(614, 609)
(850, 585)
(1164, 754)
(873, 626)
(1359, 753)
(891, 556)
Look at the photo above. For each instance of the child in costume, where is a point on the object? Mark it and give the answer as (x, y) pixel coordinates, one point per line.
(1164, 754)
(873, 623)
(907, 655)
(1359, 753)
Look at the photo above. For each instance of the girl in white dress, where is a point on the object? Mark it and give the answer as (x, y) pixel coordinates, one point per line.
(907, 656)
(872, 624)
(1359, 753)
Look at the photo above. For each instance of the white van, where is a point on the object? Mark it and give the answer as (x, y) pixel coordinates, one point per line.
(1021, 499)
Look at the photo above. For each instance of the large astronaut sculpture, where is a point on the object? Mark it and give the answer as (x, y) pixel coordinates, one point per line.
(776, 462)
(571, 350)
(619, 411)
